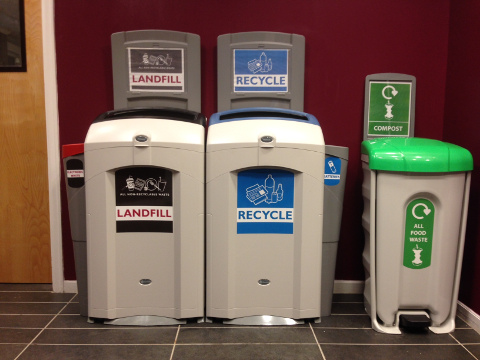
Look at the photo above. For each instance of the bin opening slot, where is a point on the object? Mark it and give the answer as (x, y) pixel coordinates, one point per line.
(157, 113)
(263, 114)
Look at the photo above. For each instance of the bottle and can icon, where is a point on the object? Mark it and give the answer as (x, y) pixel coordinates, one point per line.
(332, 167)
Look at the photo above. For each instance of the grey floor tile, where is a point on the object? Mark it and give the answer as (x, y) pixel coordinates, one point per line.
(10, 351)
(31, 308)
(26, 287)
(247, 352)
(17, 336)
(41, 296)
(348, 308)
(100, 352)
(76, 322)
(140, 335)
(369, 336)
(361, 321)
(25, 321)
(72, 309)
(474, 349)
(245, 335)
(466, 336)
(461, 324)
(395, 352)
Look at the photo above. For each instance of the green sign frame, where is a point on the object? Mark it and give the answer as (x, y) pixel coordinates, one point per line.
(389, 105)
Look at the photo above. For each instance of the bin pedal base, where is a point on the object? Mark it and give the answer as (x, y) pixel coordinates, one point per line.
(415, 321)
(141, 320)
(263, 320)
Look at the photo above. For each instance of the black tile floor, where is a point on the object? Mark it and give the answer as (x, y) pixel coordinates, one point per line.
(38, 324)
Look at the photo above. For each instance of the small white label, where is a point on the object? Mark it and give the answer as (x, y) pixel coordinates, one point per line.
(75, 174)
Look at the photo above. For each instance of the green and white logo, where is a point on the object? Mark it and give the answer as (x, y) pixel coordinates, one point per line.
(389, 108)
(417, 253)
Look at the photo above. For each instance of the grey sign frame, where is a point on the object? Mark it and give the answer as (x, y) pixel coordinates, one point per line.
(389, 78)
(186, 96)
(228, 99)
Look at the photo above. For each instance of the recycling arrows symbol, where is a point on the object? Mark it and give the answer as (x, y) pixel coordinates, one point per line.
(426, 211)
(394, 92)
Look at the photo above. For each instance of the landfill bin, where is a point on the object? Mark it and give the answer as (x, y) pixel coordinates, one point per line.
(265, 174)
(74, 171)
(415, 208)
(145, 216)
(336, 161)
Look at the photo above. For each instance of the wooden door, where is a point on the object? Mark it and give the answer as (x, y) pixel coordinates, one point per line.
(24, 211)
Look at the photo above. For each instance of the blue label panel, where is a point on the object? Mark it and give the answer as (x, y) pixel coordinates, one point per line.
(333, 167)
(260, 70)
(265, 199)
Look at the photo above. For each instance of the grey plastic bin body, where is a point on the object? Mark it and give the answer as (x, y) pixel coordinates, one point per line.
(145, 181)
(73, 165)
(415, 209)
(336, 161)
(265, 179)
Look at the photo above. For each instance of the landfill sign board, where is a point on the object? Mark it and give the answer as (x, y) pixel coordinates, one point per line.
(389, 108)
(265, 201)
(158, 70)
(419, 219)
(261, 70)
(144, 200)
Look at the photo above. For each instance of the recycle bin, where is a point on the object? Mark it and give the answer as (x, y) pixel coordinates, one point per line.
(144, 184)
(73, 165)
(265, 174)
(415, 208)
(336, 161)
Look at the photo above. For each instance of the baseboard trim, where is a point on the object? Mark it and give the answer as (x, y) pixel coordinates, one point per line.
(70, 286)
(469, 316)
(348, 287)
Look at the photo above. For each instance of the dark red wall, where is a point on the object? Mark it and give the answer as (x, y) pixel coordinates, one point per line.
(462, 127)
(346, 40)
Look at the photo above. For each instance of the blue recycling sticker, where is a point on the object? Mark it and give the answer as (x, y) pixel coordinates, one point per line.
(333, 167)
(260, 70)
(265, 201)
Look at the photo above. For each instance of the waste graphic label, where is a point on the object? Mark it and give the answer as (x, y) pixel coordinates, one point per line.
(265, 202)
(419, 221)
(157, 70)
(389, 108)
(144, 200)
(333, 167)
(260, 70)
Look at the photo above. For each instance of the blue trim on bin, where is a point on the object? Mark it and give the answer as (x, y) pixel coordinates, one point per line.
(262, 113)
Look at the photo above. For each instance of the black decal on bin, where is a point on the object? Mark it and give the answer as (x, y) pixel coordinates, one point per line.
(144, 200)
(75, 173)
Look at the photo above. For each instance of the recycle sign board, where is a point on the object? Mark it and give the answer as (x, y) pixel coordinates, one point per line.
(265, 201)
(262, 70)
(389, 108)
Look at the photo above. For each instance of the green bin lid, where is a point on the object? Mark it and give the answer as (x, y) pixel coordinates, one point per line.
(416, 155)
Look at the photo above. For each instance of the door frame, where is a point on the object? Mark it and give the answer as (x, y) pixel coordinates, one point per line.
(53, 142)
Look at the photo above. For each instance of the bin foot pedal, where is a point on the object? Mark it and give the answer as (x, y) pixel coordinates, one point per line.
(415, 321)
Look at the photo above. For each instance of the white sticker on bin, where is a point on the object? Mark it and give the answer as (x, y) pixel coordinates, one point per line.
(75, 174)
